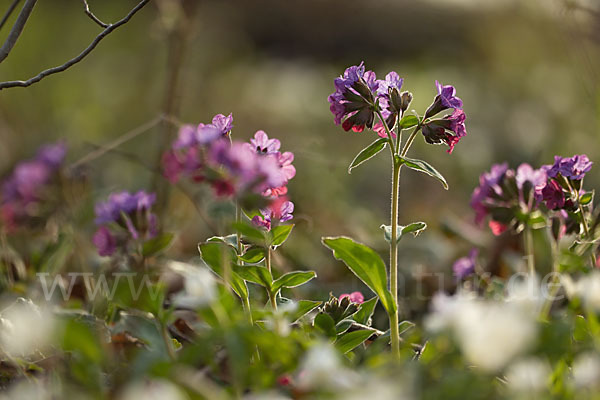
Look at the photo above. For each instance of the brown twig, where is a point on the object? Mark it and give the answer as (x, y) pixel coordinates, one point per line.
(9, 12)
(81, 56)
(17, 28)
(92, 16)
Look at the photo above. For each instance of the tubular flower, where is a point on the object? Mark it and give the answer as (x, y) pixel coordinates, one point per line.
(449, 129)
(353, 102)
(445, 99)
(573, 168)
(280, 210)
(465, 266)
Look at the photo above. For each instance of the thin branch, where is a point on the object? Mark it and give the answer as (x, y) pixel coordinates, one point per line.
(92, 16)
(17, 28)
(81, 56)
(118, 141)
(9, 12)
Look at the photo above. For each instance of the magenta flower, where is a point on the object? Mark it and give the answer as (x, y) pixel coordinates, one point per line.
(537, 178)
(354, 297)
(445, 99)
(449, 129)
(204, 133)
(263, 145)
(488, 189)
(553, 195)
(353, 101)
(279, 210)
(465, 266)
(285, 163)
(573, 168)
(104, 241)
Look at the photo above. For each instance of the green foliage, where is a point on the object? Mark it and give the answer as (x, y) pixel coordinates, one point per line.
(415, 228)
(422, 166)
(367, 153)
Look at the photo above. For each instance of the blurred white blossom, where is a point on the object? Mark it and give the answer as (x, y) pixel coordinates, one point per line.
(25, 328)
(157, 389)
(528, 375)
(199, 285)
(322, 368)
(586, 288)
(586, 370)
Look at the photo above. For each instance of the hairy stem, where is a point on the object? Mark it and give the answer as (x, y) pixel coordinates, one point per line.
(395, 337)
(272, 296)
(528, 238)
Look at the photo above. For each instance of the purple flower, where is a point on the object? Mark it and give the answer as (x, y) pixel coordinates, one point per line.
(465, 266)
(489, 185)
(52, 154)
(285, 162)
(536, 177)
(104, 241)
(553, 195)
(445, 99)
(353, 101)
(204, 133)
(449, 129)
(263, 145)
(354, 297)
(573, 168)
(280, 209)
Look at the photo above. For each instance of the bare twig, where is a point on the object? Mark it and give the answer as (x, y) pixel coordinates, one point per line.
(92, 16)
(17, 28)
(9, 12)
(81, 56)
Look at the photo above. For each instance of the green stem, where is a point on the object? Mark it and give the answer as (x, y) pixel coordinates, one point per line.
(395, 337)
(272, 296)
(409, 141)
(528, 237)
(586, 231)
(238, 219)
(547, 305)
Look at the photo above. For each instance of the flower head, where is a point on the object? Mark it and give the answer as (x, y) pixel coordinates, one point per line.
(280, 210)
(573, 168)
(445, 99)
(449, 129)
(353, 101)
(263, 145)
(465, 266)
(354, 297)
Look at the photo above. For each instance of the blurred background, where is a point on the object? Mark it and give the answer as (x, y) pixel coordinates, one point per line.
(527, 72)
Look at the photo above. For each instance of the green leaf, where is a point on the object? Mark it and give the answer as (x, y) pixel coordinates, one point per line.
(586, 198)
(415, 228)
(365, 264)
(408, 121)
(422, 166)
(364, 313)
(349, 341)
(302, 308)
(404, 327)
(368, 152)
(255, 273)
(325, 324)
(229, 239)
(343, 325)
(293, 279)
(253, 255)
(280, 233)
(81, 338)
(216, 255)
(250, 232)
(157, 244)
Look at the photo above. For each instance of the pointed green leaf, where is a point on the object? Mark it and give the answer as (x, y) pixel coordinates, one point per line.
(250, 232)
(364, 313)
(349, 341)
(343, 325)
(255, 274)
(280, 234)
(302, 308)
(408, 121)
(156, 245)
(415, 228)
(216, 255)
(586, 198)
(231, 240)
(293, 279)
(422, 166)
(365, 264)
(253, 255)
(368, 152)
(325, 324)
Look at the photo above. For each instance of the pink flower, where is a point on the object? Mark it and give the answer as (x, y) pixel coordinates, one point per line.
(355, 297)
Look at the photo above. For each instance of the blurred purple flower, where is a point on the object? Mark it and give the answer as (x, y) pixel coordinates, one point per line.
(280, 209)
(104, 241)
(52, 155)
(263, 145)
(573, 168)
(465, 266)
(553, 195)
(488, 186)
(204, 133)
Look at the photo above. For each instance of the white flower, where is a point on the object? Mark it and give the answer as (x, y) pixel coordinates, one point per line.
(322, 368)
(489, 333)
(528, 375)
(157, 389)
(25, 328)
(586, 370)
(586, 288)
(199, 285)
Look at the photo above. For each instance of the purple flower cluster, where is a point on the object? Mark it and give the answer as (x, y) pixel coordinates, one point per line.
(206, 154)
(122, 218)
(465, 266)
(29, 184)
(359, 96)
(507, 195)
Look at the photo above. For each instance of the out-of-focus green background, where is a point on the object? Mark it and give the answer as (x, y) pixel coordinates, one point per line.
(527, 72)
